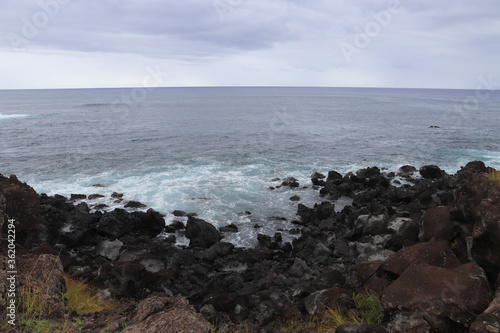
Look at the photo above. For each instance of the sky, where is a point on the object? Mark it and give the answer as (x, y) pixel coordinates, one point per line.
(152, 43)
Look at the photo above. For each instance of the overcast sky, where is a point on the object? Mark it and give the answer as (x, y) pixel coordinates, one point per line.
(365, 43)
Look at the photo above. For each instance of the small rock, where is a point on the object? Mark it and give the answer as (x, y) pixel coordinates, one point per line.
(74, 197)
(117, 195)
(134, 204)
(229, 228)
(179, 213)
(295, 198)
(95, 196)
(100, 185)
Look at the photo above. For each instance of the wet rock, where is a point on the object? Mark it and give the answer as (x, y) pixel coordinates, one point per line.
(201, 233)
(117, 195)
(317, 179)
(75, 197)
(229, 228)
(431, 172)
(95, 196)
(295, 198)
(290, 182)
(134, 204)
(179, 213)
(407, 170)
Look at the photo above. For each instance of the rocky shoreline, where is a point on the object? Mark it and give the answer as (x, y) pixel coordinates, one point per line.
(427, 245)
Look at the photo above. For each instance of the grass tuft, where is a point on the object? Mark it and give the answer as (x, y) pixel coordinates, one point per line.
(494, 176)
(367, 310)
(82, 298)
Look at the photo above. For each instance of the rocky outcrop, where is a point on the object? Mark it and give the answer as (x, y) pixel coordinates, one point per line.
(20, 202)
(429, 250)
(201, 233)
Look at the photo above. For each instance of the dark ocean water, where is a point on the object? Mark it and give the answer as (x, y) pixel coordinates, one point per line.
(214, 151)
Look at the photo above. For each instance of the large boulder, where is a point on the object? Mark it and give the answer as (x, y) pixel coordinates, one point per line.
(431, 172)
(19, 202)
(437, 223)
(201, 233)
(435, 253)
(479, 202)
(161, 314)
(440, 294)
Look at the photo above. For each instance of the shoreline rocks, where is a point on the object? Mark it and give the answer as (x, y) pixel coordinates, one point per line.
(429, 249)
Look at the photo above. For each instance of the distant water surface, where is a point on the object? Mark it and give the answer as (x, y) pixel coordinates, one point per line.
(214, 151)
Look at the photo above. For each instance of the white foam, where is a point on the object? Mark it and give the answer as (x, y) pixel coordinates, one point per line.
(12, 116)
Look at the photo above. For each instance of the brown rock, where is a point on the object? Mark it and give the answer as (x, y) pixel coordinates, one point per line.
(437, 223)
(435, 253)
(365, 269)
(479, 202)
(160, 314)
(489, 320)
(457, 294)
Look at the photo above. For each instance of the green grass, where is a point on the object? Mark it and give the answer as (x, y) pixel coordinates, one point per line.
(82, 298)
(367, 309)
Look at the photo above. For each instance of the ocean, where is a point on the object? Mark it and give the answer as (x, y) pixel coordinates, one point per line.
(215, 151)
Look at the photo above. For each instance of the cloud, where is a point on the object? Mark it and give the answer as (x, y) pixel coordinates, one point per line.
(280, 42)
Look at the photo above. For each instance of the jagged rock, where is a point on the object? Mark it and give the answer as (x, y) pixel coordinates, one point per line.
(291, 182)
(95, 196)
(201, 233)
(134, 204)
(408, 322)
(436, 253)
(110, 249)
(229, 228)
(407, 170)
(117, 195)
(75, 197)
(443, 294)
(123, 279)
(20, 202)
(431, 172)
(479, 202)
(77, 225)
(160, 314)
(437, 223)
